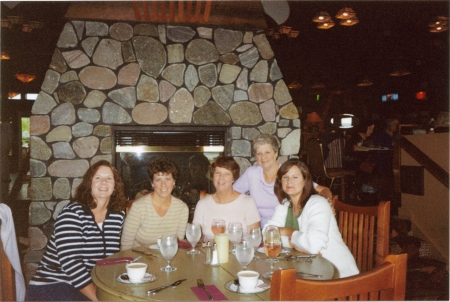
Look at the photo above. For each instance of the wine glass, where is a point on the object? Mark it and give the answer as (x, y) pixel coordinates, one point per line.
(254, 238)
(235, 234)
(193, 234)
(244, 254)
(169, 248)
(272, 246)
(218, 226)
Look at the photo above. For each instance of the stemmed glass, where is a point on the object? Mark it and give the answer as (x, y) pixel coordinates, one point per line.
(235, 234)
(244, 254)
(218, 226)
(193, 234)
(272, 246)
(254, 238)
(169, 248)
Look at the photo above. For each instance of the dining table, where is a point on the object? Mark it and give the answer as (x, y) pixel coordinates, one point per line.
(219, 280)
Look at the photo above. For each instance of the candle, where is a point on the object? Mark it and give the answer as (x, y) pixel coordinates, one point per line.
(222, 242)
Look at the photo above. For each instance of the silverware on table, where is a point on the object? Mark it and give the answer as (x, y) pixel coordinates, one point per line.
(135, 259)
(158, 289)
(144, 252)
(300, 274)
(202, 285)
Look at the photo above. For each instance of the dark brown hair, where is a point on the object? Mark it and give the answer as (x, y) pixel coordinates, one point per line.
(83, 195)
(308, 190)
(228, 163)
(162, 165)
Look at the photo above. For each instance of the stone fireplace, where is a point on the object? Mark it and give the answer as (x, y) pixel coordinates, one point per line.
(123, 74)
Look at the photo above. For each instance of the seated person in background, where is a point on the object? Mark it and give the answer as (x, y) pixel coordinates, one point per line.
(306, 218)
(386, 139)
(259, 180)
(156, 213)
(360, 140)
(226, 203)
(77, 241)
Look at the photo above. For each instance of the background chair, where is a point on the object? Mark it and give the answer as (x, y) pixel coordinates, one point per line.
(365, 230)
(385, 282)
(316, 164)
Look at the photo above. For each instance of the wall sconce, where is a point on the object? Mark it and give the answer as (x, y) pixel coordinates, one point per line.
(25, 78)
(283, 30)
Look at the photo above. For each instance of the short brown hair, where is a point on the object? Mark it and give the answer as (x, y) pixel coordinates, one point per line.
(228, 163)
(162, 165)
(308, 190)
(83, 195)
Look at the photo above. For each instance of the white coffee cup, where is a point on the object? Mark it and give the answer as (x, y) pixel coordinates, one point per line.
(136, 271)
(248, 279)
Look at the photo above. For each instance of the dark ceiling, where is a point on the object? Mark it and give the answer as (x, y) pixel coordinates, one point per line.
(388, 33)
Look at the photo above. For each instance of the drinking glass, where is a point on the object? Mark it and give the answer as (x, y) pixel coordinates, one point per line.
(272, 246)
(169, 248)
(235, 234)
(244, 254)
(218, 226)
(254, 238)
(193, 234)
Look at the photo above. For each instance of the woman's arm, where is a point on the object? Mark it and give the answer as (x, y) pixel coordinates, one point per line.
(90, 291)
(131, 226)
(242, 184)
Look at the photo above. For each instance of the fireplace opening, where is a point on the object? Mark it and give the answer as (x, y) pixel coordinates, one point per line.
(191, 148)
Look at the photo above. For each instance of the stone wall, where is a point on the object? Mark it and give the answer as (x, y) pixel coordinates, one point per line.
(142, 74)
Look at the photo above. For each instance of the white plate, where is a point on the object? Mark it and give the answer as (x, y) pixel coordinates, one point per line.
(147, 279)
(154, 247)
(260, 287)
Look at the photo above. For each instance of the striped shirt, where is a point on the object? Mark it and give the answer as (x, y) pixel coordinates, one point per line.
(143, 224)
(76, 244)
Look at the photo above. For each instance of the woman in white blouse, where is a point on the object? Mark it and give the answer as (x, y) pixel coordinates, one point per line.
(307, 219)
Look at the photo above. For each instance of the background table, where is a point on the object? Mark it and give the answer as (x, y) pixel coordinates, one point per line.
(192, 267)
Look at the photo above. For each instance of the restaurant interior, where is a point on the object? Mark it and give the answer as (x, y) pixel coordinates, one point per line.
(390, 61)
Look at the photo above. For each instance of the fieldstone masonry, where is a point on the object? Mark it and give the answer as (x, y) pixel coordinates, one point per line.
(143, 74)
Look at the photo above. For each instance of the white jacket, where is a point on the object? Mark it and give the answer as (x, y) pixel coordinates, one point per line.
(319, 233)
(9, 240)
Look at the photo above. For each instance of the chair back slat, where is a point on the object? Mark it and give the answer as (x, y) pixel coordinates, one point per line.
(365, 231)
(385, 282)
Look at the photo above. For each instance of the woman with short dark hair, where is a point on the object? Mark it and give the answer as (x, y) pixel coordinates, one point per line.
(86, 230)
(159, 212)
(226, 203)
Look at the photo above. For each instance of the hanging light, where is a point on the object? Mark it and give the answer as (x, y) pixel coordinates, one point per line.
(349, 22)
(5, 55)
(15, 19)
(399, 72)
(365, 82)
(26, 28)
(35, 24)
(438, 24)
(25, 78)
(345, 13)
(285, 29)
(6, 23)
(326, 25)
(294, 33)
(318, 85)
(321, 16)
(295, 85)
(270, 32)
(438, 29)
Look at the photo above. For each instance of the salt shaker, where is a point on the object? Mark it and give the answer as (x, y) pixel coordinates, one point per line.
(208, 253)
(215, 259)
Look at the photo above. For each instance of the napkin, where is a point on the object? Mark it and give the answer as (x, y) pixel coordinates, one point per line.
(213, 290)
(184, 245)
(111, 261)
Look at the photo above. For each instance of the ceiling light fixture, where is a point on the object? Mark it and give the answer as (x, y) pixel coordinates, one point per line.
(283, 30)
(399, 72)
(438, 24)
(318, 85)
(322, 16)
(5, 55)
(349, 22)
(326, 25)
(365, 82)
(25, 78)
(345, 13)
(295, 85)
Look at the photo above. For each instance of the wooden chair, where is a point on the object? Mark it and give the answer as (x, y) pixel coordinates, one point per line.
(365, 230)
(316, 164)
(385, 282)
(7, 276)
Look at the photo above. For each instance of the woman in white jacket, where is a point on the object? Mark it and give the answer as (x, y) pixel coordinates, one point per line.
(307, 218)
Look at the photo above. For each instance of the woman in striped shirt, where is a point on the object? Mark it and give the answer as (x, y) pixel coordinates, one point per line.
(158, 213)
(86, 230)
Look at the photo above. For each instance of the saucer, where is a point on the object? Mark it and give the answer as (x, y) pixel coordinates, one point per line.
(147, 279)
(260, 287)
(154, 247)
